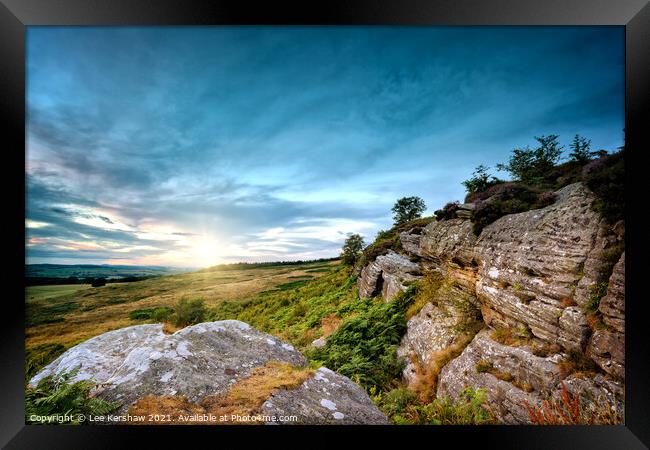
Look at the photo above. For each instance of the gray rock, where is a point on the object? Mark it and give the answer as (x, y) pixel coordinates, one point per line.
(197, 361)
(435, 328)
(387, 275)
(325, 398)
(532, 263)
(320, 342)
(203, 360)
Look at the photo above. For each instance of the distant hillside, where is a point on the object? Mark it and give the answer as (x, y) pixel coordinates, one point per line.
(81, 271)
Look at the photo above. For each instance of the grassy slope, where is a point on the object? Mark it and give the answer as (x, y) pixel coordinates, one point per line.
(74, 316)
(37, 293)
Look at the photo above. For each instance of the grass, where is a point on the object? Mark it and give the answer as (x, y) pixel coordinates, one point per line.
(36, 293)
(512, 336)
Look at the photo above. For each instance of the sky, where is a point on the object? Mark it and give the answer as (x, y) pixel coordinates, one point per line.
(194, 146)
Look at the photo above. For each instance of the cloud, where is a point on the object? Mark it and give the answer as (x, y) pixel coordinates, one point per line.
(175, 145)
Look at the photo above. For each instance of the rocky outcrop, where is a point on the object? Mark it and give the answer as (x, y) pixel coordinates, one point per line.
(532, 262)
(534, 272)
(204, 360)
(607, 345)
(325, 398)
(387, 275)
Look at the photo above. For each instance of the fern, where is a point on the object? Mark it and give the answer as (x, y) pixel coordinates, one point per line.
(57, 395)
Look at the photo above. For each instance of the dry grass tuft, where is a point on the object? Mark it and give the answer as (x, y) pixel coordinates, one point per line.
(330, 324)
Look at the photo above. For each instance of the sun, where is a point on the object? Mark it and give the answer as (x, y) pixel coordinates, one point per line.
(204, 252)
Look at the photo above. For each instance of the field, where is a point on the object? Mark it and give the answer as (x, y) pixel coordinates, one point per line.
(37, 293)
(65, 315)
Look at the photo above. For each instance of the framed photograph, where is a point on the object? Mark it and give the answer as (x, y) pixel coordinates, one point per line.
(368, 217)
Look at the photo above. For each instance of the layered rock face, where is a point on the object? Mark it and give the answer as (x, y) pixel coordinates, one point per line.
(206, 360)
(534, 272)
(607, 345)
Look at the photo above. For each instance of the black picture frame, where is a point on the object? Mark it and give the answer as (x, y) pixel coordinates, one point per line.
(15, 15)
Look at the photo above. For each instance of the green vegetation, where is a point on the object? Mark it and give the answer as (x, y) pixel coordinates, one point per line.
(480, 180)
(407, 209)
(530, 166)
(57, 395)
(161, 314)
(189, 312)
(352, 249)
(364, 347)
(403, 407)
(39, 356)
(297, 314)
(580, 150)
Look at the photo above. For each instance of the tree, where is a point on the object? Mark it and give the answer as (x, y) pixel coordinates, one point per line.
(352, 249)
(480, 180)
(530, 165)
(580, 149)
(407, 209)
(548, 152)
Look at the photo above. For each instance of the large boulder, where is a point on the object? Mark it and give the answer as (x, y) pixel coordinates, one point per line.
(387, 275)
(196, 363)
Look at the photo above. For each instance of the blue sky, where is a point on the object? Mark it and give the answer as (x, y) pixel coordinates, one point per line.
(191, 146)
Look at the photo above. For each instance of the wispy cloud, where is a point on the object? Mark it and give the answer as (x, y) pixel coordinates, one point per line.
(191, 146)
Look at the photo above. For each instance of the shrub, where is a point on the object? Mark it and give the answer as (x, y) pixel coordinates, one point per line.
(606, 178)
(531, 165)
(162, 314)
(480, 180)
(56, 395)
(467, 410)
(98, 282)
(396, 401)
(508, 198)
(448, 211)
(364, 347)
(189, 312)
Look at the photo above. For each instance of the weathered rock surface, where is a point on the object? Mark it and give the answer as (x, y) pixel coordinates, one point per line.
(448, 240)
(437, 326)
(199, 361)
(531, 263)
(387, 275)
(505, 399)
(195, 362)
(607, 346)
(325, 398)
